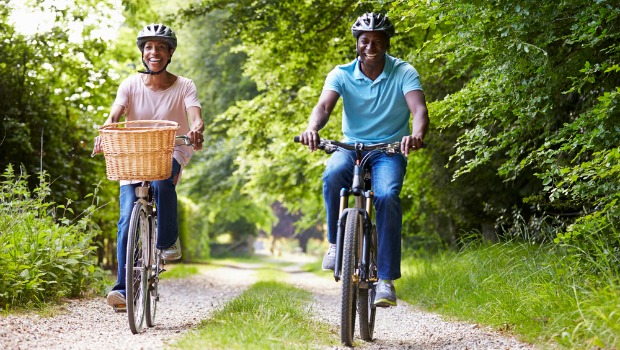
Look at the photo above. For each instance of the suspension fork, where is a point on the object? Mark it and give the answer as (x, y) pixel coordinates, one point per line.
(363, 202)
(366, 240)
(342, 219)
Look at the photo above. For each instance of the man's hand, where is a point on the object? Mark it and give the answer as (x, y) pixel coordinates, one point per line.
(410, 143)
(311, 139)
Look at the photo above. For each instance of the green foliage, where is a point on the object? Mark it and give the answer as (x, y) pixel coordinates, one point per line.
(44, 255)
(530, 111)
(194, 240)
(56, 86)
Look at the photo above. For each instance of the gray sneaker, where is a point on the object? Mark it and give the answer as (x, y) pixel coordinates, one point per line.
(117, 300)
(385, 294)
(172, 253)
(329, 260)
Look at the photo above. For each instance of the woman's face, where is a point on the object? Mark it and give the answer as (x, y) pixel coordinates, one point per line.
(156, 54)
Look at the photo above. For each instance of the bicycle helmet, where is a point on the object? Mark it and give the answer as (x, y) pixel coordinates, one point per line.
(156, 32)
(372, 22)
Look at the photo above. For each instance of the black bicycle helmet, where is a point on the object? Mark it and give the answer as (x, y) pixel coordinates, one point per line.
(156, 32)
(372, 22)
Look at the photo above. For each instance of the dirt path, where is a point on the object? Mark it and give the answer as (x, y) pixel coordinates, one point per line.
(90, 324)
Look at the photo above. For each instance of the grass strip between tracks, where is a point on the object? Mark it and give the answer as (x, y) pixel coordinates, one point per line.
(269, 315)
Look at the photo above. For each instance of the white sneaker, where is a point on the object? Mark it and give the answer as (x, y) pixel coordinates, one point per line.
(173, 252)
(329, 259)
(386, 294)
(116, 299)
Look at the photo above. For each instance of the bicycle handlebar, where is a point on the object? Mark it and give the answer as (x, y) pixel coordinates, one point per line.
(331, 145)
(182, 140)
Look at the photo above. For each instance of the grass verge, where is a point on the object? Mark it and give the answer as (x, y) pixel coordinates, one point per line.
(530, 291)
(269, 315)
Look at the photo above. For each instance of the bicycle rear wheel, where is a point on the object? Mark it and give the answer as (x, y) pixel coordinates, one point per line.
(349, 277)
(153, 282)
(136, 280)
(366, 301)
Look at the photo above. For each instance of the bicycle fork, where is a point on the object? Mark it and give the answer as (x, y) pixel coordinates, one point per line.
(143, 192)
(363, 206)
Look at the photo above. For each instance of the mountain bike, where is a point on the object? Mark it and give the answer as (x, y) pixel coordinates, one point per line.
(356, 242)
(144, 262)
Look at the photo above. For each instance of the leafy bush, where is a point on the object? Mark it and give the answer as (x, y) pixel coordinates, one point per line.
(43, 255)
(194, 240)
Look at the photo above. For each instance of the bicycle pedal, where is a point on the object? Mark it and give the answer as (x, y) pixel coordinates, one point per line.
(120, 308)
(383, 305)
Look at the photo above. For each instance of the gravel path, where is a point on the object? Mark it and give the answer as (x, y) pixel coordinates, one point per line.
(91, 324)
(402, 327)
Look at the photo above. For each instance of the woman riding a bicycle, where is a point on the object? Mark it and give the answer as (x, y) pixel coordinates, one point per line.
(380, 94)
(155, 94)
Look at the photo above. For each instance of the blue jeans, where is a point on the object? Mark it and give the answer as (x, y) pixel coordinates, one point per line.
(164, 192)
(387, 174)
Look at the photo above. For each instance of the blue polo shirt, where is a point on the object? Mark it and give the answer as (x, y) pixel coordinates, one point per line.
(374, 111)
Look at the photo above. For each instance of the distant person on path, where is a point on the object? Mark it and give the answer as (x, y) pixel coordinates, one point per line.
(380, 93)
(155, 94)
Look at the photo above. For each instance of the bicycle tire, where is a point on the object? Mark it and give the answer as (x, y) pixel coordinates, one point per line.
(349, 289)
(153, 273)
(136, 279)
(366, 308)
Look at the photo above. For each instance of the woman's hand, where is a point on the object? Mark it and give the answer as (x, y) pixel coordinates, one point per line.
(196, 138)
(97, 148)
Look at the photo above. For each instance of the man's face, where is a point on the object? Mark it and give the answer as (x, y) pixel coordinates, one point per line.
(371, 48)
(156, 54)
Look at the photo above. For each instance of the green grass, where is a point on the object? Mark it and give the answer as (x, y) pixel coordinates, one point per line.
(530, 291)
(180, 271)
(269, 315)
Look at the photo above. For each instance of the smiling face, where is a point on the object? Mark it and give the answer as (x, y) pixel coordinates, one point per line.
(371, 48)
(156, 54)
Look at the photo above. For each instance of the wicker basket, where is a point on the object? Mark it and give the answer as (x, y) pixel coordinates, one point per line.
(138, 150)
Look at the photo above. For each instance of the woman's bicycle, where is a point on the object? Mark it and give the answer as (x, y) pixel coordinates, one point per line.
(144, 262)
(141, 150)
(356, 242)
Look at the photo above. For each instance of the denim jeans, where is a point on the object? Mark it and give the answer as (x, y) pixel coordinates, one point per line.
(164, 192)
(387, 175)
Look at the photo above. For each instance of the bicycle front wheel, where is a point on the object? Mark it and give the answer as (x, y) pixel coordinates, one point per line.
(350, 259)
(136, 279)
(366, 301)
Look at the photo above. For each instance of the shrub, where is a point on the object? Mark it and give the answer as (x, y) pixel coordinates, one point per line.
(43, 257)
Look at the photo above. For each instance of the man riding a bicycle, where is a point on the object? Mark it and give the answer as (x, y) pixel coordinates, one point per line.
(380, 93)
(155, 94)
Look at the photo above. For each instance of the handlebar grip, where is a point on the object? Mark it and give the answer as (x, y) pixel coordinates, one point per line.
(296, 139)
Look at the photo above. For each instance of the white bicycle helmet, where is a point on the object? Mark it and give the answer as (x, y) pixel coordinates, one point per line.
(372, 22)
(156, 32)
